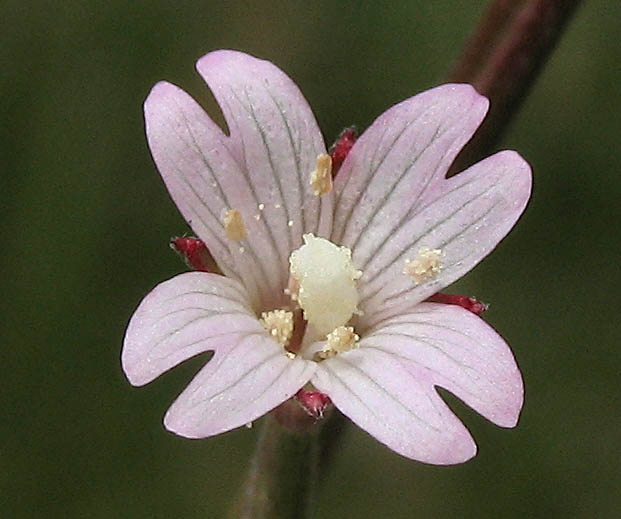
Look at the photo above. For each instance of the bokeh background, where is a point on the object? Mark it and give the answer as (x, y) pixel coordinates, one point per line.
(85, 222)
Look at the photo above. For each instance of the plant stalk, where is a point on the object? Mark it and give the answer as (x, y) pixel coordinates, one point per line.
(502, 60)
(281, 479)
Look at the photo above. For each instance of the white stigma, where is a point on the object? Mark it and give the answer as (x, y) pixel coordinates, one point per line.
(325, 278)
(425, 266)
(321, 177)
(234, 225)
(279, 323)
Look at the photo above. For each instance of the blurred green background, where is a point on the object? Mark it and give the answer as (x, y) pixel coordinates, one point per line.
(86, 219)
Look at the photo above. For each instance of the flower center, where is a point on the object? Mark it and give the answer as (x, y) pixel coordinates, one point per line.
(324, 283)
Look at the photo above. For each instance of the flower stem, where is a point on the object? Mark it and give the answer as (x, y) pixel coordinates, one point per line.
(281, 479)
(502, 59)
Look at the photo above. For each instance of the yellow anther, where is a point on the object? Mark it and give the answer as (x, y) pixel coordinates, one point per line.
(339, 340)
(234, 225)
(425, 266)
(279, 323)
(321, 177)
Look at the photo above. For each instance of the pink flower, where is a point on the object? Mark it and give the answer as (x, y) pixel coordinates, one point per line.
(346, 266)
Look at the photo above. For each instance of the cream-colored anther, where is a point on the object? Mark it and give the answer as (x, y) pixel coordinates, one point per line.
(339, 340)
(326, 283)
(425, 266)
(321, 177)
(234, 225)
(279, 323)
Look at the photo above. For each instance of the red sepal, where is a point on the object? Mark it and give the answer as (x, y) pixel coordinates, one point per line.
(195, 253)
(313, 402)
(341, 147)
(469, 303)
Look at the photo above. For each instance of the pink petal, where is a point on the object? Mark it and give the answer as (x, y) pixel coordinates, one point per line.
(466, 218)
(398, 161)
(205, 180)
(189, 314)
(387, 385)
(378, 393)
(252, 378)
(452, 348)
(262, 170)
(275, 138)
(393, 199)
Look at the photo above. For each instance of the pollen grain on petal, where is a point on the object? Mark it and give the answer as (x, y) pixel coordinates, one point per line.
(293, 289)
(279, 323)
(425, 266)
(234, 225)
(321, 176)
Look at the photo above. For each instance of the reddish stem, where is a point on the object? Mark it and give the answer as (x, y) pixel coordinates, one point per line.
(502, 60)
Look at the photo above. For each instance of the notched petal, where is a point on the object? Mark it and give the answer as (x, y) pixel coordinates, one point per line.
(187, 315)
(377, 393)
(471, 213)
(454, 349)
(398, 161)
(388, 385)
(253, 378)
(275, 138)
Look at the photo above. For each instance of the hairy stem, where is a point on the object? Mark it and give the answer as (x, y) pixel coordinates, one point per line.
(281, 479)
(502, 59)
